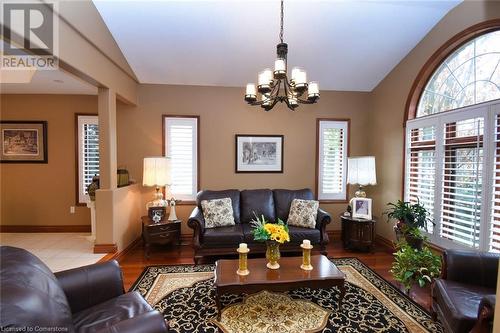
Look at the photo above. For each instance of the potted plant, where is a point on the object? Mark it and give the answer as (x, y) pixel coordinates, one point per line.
(412, 218)
(273, 234)
(412, 266)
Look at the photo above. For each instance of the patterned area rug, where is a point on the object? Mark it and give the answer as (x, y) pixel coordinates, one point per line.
(185, 294)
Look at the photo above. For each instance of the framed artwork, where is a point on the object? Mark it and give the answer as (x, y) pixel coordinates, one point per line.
(23, 141)
(158, 211)
(259, 153)
(362, 208)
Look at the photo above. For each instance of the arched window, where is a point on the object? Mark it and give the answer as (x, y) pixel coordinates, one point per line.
(468, 76)
(452, 159)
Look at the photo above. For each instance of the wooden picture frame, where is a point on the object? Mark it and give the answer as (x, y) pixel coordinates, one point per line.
(152, 211)
(23, 141)
(257, 153)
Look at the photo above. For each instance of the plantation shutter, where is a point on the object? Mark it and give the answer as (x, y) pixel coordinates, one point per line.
(332, 160)
(462, 181)
(88, 153)
(494, 236)
(421, 167)
(181, 142)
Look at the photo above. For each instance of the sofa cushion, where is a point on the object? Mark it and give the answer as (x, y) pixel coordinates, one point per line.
(233, 194)
(217, 213)
(109, 313)
(223, 236)
(459, 303)
(30, 293)
(303, 213)
(259, 201)
(283, 200)
(298, 234)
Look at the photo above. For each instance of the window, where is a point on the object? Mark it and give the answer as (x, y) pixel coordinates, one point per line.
(451, 160)
(332, 143)
(181, 145)
(468, 76)
(87, 133)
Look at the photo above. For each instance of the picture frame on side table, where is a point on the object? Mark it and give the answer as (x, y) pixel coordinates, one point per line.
(259, 153)
(158, 211)
(362, 208)
(23, 141)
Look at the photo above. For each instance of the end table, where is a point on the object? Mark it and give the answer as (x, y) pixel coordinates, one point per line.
(357, 233)
(163, 232)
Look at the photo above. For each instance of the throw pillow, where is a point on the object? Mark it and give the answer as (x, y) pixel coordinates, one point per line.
(303, 213)
(217, 212)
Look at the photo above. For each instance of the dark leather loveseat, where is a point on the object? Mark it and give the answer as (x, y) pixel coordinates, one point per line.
(273, 204)
(85, 299)
(466, 291)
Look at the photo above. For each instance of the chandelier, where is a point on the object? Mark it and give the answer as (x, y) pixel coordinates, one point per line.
(274, 86)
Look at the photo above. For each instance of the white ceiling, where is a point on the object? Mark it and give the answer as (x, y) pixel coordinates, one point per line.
(345, 45)
(50, 82)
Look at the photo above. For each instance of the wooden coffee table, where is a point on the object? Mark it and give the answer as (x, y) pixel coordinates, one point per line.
(289, 276)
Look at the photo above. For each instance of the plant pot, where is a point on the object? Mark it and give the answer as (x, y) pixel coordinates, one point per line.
(273, 254)
(414, 242)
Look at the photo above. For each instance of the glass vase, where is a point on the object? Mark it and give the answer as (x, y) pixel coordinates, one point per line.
(273, 254)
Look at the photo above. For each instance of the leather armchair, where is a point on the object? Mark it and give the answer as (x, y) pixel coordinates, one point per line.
(85, 299)
(467, 284)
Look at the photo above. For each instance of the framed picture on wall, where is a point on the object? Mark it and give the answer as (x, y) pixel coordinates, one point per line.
(23, 141)
(362, 208)
(259, 153)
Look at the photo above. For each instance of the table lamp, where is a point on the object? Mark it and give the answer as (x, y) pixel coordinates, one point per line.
(156, 173)
(361, 171)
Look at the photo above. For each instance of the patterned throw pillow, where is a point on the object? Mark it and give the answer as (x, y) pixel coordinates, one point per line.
(303, 213)
(217, 212)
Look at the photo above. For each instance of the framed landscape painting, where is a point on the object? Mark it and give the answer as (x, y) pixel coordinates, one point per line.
(23, 141)
(259, 153)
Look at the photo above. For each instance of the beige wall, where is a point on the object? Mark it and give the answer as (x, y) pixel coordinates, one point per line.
(41, 194)
(223, 114)
(389, 98)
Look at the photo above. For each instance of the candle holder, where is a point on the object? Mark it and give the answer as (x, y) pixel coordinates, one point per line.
(306, 257)
(243, 261)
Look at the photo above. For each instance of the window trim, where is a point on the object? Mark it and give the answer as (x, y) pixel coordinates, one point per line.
(348, 145)
(437, 59)
(77, 158)
(198, 162)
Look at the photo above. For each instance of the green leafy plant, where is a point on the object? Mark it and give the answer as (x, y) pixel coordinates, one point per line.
(413, 266)
(411, 215)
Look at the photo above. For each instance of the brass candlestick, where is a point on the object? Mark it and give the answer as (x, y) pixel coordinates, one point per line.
(306, 257)
(243, 261)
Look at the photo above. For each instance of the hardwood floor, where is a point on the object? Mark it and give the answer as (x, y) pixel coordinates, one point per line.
(134, 262)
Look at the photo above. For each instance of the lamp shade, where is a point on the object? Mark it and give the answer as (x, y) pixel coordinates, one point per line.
(156, 171)
(361, 170)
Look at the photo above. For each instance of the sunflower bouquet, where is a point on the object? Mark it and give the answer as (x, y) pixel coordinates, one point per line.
(264, 231)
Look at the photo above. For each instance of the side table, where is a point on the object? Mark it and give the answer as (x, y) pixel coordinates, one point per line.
(163, 232)
(357, 233)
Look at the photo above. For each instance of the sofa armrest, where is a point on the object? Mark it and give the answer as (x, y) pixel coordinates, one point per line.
(485, 315)
(196, 222)
(90, 285)
(149, 322)
(322, 219)
(475, 268)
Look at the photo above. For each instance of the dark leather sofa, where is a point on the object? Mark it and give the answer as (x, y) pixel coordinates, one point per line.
(273, 204)
(464, 295)
(85, 299)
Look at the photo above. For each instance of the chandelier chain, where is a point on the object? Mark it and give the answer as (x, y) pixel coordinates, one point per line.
(281, 30)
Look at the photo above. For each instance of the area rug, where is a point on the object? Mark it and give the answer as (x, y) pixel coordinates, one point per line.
(185, 295)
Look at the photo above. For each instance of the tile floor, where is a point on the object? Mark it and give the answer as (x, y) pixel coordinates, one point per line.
(59, 251)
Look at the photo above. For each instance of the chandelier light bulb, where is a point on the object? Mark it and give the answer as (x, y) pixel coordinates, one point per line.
(251, 90)
(313, 91)
(295, 73)
(279, 68)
